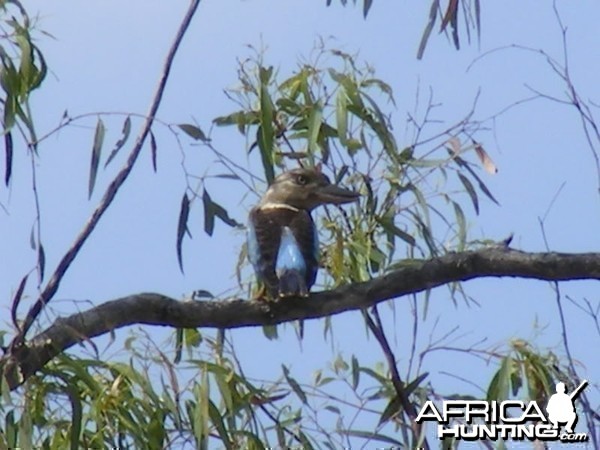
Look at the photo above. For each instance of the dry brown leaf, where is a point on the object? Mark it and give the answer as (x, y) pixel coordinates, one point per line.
(454, 144)
(485, 159)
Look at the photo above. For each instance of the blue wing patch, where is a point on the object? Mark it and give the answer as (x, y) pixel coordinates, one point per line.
(316, 249)
(253, 250)
(289, 256)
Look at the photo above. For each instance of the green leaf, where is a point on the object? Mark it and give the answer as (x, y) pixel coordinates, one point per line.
(333, 409)
(184, 212)
(270, 332)
(209, 214)
(10, 107)
(288, 106)
(266, 132)
(314, 126)
(26, 67)
(462, 226)
(191, 337)
(217, 420)
(422, 202)
(383, 86)
(353, 145)
(390, 227)
(462, 163)
(8, 148)
(355, 372)
(76, 413)
(153, 150)
(414, 384)
(341, 115)
(380, 126)
(294, 385)
(435, 4)
(96, 150)
(470, 190)
(124, 135)
(499, 386)
(393, 407)
(212, 210)
(193, 131)
(240, 118)
(178, 345)
(41, 261)
(371, 436)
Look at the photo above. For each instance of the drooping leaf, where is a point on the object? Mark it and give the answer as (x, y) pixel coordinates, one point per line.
(372, 436)
(8, 148)
(294, 385)
(485, 159)
(209, 215)
(470, 190)
(435, 4)
(184, 213)
(124, 135)
(178, 345)
(266, 134)
(451, 17)
(498, 389)
(193, 131)
(341, 116)
(314, 127)
(454, 144)
(462, 226)
(478, 19)
(153, 149)
(270, 332)
(222, 214)
(212, 210)
(414, 384)
(355, 372)
(240, 118)
(41, 261)
(393, 407)
(462, 163)
(217, 420)
(383, 87)
(96, 150)
(76, 412)
(366, 7)
(390, 227)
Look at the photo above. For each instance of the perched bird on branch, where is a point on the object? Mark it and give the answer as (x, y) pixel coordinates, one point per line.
(283, 243)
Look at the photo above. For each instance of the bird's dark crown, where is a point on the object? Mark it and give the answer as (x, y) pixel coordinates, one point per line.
(305, 189)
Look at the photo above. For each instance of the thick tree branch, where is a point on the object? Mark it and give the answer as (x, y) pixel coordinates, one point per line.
(155, 309)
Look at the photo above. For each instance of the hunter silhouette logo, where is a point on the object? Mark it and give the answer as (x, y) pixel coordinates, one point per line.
(516, 420)
(560, 406)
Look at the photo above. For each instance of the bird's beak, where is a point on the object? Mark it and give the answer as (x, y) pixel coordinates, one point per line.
(336, 195)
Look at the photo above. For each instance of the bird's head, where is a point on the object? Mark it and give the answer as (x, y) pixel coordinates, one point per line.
(306, 189)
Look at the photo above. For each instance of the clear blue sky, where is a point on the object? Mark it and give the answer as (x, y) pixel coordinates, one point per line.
(106, 57)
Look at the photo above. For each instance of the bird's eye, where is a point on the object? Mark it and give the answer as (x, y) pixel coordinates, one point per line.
(301, 180)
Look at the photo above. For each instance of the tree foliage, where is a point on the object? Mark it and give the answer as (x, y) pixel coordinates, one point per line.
(333, 110)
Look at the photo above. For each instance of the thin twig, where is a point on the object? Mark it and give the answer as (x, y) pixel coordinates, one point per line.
(376, 328)
(112, 190)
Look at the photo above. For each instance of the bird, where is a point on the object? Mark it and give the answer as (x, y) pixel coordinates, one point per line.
(283, 243)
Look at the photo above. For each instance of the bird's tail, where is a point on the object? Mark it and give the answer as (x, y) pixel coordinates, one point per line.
(292, 284)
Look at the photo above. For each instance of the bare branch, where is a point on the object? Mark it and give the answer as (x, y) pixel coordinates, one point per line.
(21, 362)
